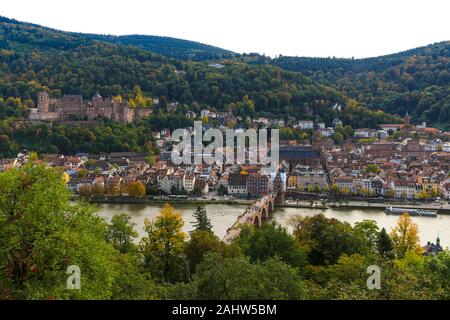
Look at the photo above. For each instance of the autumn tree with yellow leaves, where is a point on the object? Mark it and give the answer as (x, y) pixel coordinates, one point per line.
(405, 236)
(136, 189)
(163, 245)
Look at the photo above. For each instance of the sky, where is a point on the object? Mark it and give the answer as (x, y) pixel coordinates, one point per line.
(341, 28)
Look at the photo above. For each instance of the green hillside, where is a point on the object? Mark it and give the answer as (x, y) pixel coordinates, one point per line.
(417, 80)
(35, 58)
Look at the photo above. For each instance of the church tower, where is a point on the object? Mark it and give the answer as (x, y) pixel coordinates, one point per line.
(407, 125)
(43, 102)
(316, 139)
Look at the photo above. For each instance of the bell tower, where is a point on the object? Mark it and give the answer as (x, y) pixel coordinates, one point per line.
(316, 139)
(407, 125)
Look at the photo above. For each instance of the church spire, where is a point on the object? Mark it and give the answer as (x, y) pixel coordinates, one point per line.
(407, 125)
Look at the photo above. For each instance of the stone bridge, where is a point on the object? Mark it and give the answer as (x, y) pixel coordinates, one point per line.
(255, 214)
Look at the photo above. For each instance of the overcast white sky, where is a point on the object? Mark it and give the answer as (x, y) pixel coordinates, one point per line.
(342, 28)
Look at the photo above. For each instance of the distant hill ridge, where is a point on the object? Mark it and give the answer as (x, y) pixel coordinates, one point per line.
(168, 46)
(415, 81)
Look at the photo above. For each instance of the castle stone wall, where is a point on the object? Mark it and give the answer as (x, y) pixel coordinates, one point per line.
(74, 105)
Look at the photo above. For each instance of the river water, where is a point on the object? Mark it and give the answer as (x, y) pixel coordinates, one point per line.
(223, 216)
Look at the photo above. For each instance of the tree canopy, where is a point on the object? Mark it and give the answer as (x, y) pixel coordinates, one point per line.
(44, 234)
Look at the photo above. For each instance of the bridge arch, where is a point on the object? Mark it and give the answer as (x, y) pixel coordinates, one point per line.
(265, 213)
(257, 220)
(271, 205)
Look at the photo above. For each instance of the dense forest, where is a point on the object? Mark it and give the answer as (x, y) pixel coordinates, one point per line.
(34, 58)
(415, 81)
(169, 47)
(323, 258)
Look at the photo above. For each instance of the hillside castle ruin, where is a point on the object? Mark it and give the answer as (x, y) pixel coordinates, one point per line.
(74, 108)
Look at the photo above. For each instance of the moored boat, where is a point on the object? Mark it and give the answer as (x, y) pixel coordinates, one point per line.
(411, 211)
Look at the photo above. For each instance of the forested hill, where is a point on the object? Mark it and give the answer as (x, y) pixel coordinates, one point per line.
(34, 57)
(417, 80)
(169, 47)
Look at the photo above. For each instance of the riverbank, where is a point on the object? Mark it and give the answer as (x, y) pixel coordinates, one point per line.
(306, 204)
(361, 205)
(148, 200)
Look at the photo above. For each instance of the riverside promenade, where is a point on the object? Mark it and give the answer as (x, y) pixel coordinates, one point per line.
(442, 208)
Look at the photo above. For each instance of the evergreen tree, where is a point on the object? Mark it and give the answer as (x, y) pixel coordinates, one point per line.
(384, 244)
(202, 222)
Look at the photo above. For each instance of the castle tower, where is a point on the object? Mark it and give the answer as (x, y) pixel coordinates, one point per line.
(43, 102)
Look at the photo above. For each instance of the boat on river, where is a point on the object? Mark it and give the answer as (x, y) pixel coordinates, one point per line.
(411, 211)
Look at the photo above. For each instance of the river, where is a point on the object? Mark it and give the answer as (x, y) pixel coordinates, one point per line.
(224, 215)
